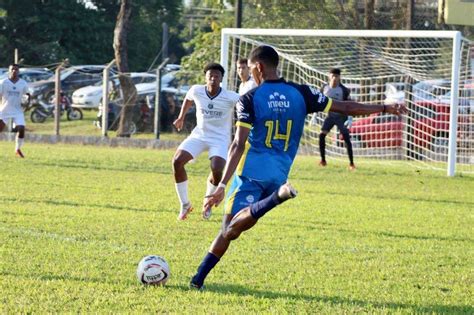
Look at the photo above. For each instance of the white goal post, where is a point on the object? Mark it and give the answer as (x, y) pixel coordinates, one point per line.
(431, 72)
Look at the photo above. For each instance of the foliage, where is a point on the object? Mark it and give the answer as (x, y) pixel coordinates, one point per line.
(75, 221)
(50, 30)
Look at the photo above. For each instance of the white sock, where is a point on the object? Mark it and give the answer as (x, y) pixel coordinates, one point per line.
(210, 188)
(19, 143)
(182, 191)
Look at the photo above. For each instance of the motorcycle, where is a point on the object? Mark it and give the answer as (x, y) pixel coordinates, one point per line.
(43, 110)
(142, 118)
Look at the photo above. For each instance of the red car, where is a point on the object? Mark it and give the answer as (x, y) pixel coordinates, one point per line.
(376, 131)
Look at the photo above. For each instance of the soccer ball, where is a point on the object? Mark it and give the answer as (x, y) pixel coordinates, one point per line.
(153, 270)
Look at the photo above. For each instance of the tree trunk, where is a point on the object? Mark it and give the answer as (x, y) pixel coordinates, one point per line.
(129, 91)
(369, 14)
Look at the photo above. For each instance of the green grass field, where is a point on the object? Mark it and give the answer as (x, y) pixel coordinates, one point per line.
(75, 221)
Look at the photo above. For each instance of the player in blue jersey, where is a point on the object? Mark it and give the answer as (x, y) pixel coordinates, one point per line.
(270, 121)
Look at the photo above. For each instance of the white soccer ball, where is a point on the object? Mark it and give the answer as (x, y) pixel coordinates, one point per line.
(153, 270)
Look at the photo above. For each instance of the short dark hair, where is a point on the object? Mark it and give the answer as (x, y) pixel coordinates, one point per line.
(214, 66)
(242, 60)
(14, 65)
(335, 71)
(265, 54)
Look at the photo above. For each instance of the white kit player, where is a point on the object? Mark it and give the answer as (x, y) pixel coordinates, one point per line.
(12, 90)
(247, 83)
(214, 110)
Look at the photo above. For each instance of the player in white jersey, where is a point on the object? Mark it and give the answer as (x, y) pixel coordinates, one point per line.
(214, 109)
(247, 83)
(12, 90)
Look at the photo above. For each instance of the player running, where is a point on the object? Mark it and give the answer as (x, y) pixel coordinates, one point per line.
(214, 108)
(270, 121)
(12, 90)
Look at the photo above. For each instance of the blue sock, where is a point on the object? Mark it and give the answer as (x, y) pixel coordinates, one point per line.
(209, 261)
(258, 209)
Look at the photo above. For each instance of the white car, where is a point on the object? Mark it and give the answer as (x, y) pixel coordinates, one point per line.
(91, 96)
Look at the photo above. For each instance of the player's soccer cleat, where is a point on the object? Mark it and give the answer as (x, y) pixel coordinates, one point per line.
(323, 163)
(194, 286)
(286, 191)
(206, 212)
(352, 167)
(185, 210)
(19, 153)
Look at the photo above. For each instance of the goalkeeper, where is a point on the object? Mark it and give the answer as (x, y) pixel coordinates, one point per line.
(337, 91)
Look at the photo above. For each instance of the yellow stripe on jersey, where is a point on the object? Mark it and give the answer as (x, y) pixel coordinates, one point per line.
(328, 106)
(243, 124)
(240, 167)
(229, 203)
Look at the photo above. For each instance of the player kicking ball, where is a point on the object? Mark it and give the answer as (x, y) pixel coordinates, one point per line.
(270, 123)
(214, 109)
(12, 90)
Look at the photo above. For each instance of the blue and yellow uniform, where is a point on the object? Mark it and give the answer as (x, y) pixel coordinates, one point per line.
(275, 113)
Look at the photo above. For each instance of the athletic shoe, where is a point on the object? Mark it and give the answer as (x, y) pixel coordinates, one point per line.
(323, 163)
(286, 191)
(206, 212)
(352, 167)
(194, 286)
(185, 210)
(19, 153)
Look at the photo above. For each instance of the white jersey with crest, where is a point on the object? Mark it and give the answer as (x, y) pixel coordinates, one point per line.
(213, 114)
(11, 94)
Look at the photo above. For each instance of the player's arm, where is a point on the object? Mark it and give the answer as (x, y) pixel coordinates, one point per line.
(234, 155)
(179, 122)
(358, 109)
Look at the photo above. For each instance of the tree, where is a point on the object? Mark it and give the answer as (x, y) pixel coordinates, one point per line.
(121, 58)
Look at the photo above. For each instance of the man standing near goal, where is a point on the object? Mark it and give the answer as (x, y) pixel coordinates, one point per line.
(246, 81)
(270, 121)
(336, 91)
(12, 90)
(214, 108)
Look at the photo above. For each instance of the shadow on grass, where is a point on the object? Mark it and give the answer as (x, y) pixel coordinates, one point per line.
(405, 198)
(86, 205)
(333, 300)
(310, 226)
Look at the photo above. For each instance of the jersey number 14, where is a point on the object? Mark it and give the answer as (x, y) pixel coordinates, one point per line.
(271, 131)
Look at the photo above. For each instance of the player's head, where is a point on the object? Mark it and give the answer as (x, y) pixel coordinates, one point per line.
(243, 69)
(263, 60)
(13, 70)
(214, 73)
(334, 77)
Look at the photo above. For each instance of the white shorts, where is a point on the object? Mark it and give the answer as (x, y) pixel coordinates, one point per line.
(18, 119)
(195, 146)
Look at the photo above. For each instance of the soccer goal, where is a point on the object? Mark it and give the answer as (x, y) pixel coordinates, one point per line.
(431, 72)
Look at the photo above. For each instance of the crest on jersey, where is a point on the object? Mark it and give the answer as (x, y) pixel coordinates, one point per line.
(250, 198)
(210, 106)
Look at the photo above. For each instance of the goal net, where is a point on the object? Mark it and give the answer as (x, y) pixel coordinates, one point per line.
(431, 72)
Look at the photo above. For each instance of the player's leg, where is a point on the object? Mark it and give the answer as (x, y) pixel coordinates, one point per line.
(19, 121)
(189, 149)
(242, 221)
(217, 157)
(327, 125)
(216, 251)
(347, 140)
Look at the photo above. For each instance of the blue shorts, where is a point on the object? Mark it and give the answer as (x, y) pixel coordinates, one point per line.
(244, 191)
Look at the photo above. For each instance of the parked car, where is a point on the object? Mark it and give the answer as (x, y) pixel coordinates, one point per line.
(376, 130)
(71, 79)
(91, 96)
(31, 74)
(429, 127)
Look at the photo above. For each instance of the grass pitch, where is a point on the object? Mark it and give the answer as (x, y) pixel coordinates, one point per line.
(75, 221)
